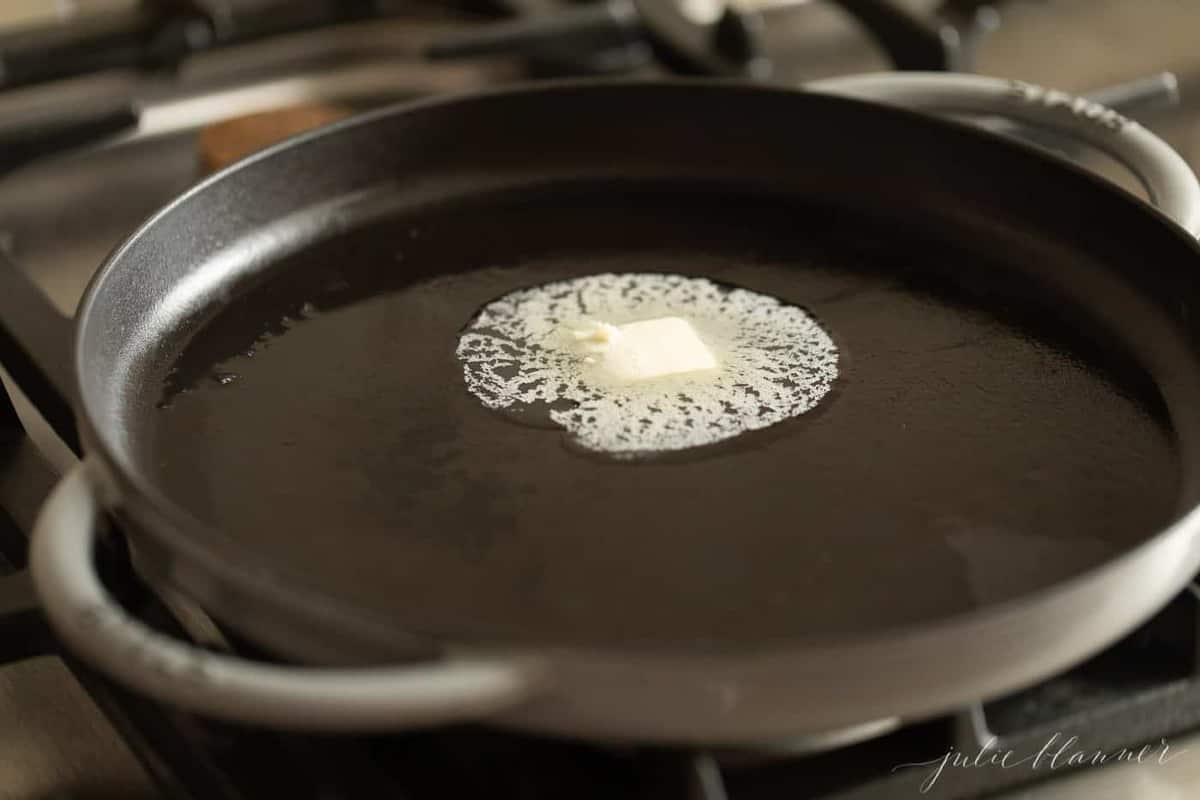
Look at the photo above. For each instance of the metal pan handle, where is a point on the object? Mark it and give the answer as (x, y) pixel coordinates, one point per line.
(1168, 179)
(92, 624)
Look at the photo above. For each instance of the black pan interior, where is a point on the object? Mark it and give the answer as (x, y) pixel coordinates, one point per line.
(1007, 413)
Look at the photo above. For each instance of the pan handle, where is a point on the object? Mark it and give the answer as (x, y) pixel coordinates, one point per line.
(1168, 179)
(461, 687)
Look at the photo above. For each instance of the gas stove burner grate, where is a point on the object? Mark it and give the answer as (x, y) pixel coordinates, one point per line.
(1143, 689)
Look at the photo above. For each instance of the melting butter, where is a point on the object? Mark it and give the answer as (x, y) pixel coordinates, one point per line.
(637, 363)
(639, 351)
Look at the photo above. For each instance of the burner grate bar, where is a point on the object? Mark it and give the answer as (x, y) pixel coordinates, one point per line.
(23, 630)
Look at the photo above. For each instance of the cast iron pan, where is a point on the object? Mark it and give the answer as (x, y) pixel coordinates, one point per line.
(1000, 483)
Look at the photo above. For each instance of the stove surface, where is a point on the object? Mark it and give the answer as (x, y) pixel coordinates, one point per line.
(59, 218)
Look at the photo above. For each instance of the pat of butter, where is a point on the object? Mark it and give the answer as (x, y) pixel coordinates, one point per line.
(639, 351)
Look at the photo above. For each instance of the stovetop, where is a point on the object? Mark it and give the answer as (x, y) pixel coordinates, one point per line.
(59, 218)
